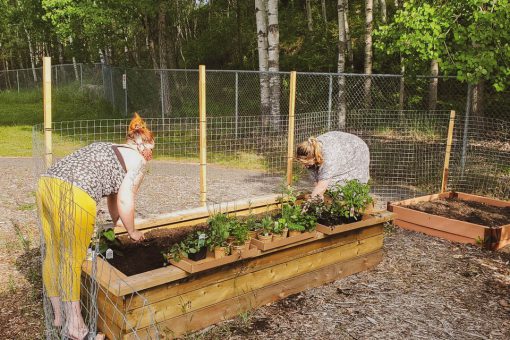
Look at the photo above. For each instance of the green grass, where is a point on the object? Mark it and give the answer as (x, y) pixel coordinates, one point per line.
(16, 141)
(68, 103)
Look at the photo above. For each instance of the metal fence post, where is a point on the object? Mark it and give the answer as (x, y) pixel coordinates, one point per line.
(124, 84)
(112, 93)
(17, 79)
(330, 100)
(162, 94)
(237, 103)
(465, 135)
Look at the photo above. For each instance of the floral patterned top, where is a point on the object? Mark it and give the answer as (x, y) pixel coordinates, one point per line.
(346, 157)
(96, 168)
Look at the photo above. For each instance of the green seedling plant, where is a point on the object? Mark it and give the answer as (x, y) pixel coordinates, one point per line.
(192, 244)
(239, 231)
(219, 231)
(356, 198)
(266, 225)
(108, 240)
(294, 216)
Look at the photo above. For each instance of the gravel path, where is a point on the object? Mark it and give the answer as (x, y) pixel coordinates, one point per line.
(424, 288)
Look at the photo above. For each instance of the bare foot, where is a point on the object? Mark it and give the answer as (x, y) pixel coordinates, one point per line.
(100, 336)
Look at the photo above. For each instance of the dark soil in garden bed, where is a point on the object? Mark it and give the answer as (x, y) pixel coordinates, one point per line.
(468, 211)
(334, 221)
(134, 258)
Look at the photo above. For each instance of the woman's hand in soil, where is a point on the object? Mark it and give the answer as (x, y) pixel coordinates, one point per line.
(137, 236)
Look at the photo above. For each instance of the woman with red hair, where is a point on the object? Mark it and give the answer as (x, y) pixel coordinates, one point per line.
(67, 196)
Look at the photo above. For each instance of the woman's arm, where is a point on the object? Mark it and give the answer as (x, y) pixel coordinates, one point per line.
(111, 201)
(320, 188)
(126, 201)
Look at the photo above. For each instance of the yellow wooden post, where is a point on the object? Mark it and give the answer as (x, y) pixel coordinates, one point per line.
(203, 135)
(444, 183)
(290, 140)
(48, 149)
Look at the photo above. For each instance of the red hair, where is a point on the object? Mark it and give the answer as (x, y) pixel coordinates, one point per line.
(138, 128)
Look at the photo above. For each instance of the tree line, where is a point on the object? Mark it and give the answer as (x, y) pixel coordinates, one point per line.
(465, 38)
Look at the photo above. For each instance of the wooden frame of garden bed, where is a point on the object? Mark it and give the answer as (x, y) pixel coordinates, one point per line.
(179, 302)
(451, 229)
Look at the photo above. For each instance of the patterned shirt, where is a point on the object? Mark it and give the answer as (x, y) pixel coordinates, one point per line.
(95, 168)
(346, 157)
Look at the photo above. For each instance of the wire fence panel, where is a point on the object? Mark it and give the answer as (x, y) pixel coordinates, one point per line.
(481, 158)
(247, 131)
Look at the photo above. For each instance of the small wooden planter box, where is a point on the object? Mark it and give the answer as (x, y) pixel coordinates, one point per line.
(265, 246)
(169, 302)
(210, 262)
(365, 220)
(451, 229)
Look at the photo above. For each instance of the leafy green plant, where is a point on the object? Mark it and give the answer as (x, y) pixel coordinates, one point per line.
(219, 230)
(294, 216)
(239, 231)
(108, 240)
(342, 203)
(192, 244)
(266, 225)
(356, 198)
(251, 223)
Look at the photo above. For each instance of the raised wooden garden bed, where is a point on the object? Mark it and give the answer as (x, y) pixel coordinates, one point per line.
(455, 224)
(170, 301)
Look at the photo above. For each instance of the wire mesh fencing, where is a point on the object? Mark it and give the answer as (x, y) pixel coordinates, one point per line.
(247, 136)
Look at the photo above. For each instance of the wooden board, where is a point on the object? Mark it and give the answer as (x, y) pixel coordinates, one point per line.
(227, 309)
(211, 294)
(368, 219)
(194, 282)
(265, 246)
(191, 266)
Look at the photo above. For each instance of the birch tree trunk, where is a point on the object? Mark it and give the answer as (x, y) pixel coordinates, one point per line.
(434, 71)
(477, 99)
(342, 105)
(273, 40)
(32, 56)
(384, 11)
(309, 15)
(401, 97)
(368, 51)
(350, 52)
(75, 65)
(324, 14)
(260, 15)
(166, 105)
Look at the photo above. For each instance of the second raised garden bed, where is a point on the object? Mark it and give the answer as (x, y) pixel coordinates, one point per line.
(458, 217)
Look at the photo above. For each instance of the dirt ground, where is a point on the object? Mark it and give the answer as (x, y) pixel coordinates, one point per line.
(424, 288)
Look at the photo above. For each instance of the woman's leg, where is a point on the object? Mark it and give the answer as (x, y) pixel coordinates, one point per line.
(51, 262)
(78, 218)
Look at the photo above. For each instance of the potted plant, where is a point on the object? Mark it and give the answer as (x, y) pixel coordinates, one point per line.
(252, 225)
(219, 232)
(239, 232)
(193, 247)
(356, 198)
(341, 204)
(280, 231)
(266, 226)
(296, 218)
